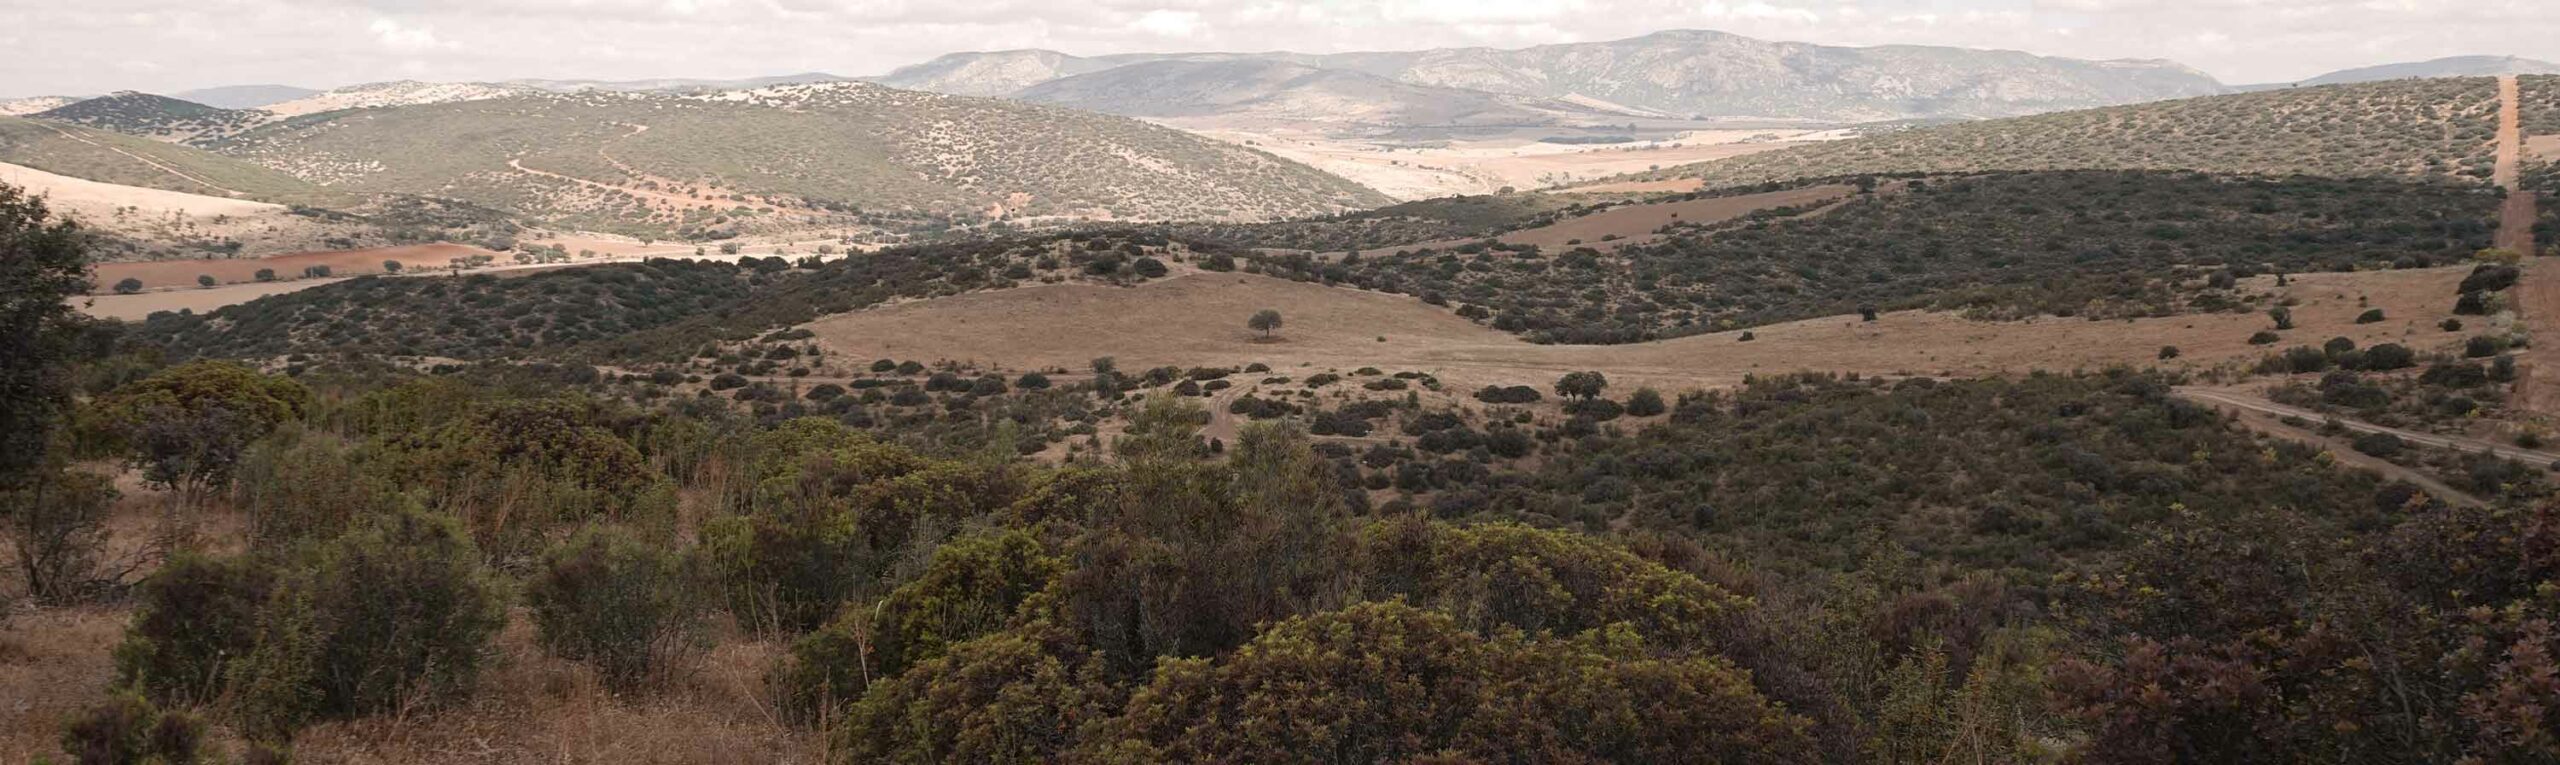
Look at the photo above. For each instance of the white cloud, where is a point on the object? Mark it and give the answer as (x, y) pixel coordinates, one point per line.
(404, 38)
(1169, 23)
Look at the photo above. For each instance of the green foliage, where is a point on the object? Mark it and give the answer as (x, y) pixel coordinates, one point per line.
(197, 617)
(393, 614)
(44, 262)
(1387, 682)
(627, 606)
(823, 154)
(515, 470)
(1999, 246)
(56, 521)
(130, 730)
(1190, 556)
(300, 487)
(188, 425)
(2425, 128)
(1581, 385)
(1264, 321)
(1645, 402)
(972, 587)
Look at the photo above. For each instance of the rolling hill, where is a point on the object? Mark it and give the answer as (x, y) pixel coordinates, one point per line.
(20, 107)
(2434, 128)
(2456, 66)
(1682, 73)
(395, 93)
(154, 116)
(1282, 92)
(791, 155)
(110, 157)
(244, 96)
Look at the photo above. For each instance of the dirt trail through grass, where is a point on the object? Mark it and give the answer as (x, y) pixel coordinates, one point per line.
(2538, 294)
(2268, 417)
(144, 160)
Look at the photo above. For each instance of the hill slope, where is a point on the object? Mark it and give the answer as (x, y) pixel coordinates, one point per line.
(706, 163)
(1275, 91)
(126, 160)
(152, 116)
(2457, 66)
(244, 96)
(1699, 73)
(2442, 128)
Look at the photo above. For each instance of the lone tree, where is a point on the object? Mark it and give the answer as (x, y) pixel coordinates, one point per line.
(391, 266)
(1264, 321)
(129, 286)
(204, 280)
(1581, 385)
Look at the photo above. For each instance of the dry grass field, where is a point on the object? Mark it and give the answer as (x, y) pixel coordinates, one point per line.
(1198, 319)
(164, 274)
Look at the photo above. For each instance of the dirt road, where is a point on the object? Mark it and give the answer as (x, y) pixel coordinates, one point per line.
(2229, 399)
(2537, 296)
(2268, 417)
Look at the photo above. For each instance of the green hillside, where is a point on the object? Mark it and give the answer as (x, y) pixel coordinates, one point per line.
(123, 159)
(720, 163)
(2441, 128)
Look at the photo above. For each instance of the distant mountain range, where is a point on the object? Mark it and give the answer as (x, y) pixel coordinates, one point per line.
(244, 96)
(1696, 74)
(1280, 91)
(2457, 66)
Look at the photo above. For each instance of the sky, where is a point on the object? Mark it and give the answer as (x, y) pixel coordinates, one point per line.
(87, 47)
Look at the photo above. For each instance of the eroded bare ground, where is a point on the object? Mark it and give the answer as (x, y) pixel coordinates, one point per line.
(1197, 318)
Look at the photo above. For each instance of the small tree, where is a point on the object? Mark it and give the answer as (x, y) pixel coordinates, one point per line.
(266, 275)
(204, 280)
(1581, 385)
(128, 286)
(391, 266)
(316, 272)
(1265, 321)
(2283, 317)
(2168, 352)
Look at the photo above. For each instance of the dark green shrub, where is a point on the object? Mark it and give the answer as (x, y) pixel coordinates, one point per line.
(2483, 346)
(128, 286)
(627, 607)
(196, 616)
(2371, 316)
(129, 730)
(393, 614)
(2263, 337)
(971, 588)
(2168, 352)
(2382, 445)
(1645, 402)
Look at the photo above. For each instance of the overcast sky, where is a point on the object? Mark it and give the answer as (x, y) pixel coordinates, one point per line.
(82, 47)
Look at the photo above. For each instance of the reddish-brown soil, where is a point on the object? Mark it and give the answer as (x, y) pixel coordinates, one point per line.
(181, 274)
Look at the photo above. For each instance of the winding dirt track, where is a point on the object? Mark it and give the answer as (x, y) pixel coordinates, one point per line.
(2267, 417)
(142, 159)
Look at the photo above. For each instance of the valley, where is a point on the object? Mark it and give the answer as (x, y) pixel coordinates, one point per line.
(1689, 397)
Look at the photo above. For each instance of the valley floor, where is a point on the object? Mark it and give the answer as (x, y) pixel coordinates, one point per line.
(1198, 319)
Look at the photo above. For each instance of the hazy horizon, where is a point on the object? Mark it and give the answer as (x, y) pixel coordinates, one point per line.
(161, 46)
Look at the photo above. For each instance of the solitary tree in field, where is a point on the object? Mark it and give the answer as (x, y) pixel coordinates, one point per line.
(1265, 321)
(391, 266)
(1582, 385)
(129, 286)
(266, 274)
(204, 280)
